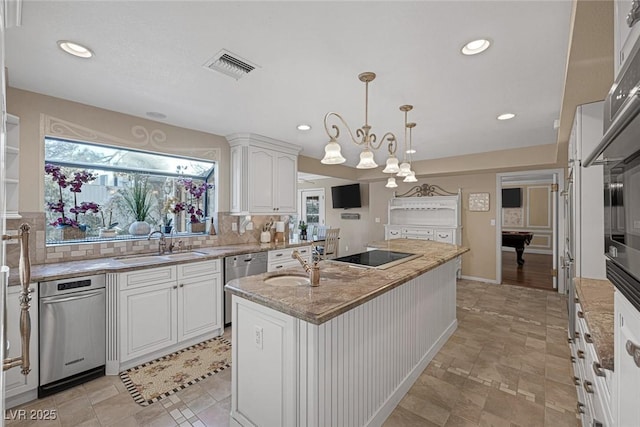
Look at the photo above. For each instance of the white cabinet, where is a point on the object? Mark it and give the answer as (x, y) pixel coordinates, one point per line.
(588, 217)
(281, 258)
(593, 383)
(627, 340)
(624, 37)
(20, 388)
(263, 175)
(169, 307)
(12, 168)
(435, 218)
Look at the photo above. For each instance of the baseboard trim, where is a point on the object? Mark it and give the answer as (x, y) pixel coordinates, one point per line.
(480, 279)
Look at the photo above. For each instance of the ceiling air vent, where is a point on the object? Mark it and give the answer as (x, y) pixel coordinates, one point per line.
(230, 64)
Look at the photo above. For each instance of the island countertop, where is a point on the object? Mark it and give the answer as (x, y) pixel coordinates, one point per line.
(343, 287)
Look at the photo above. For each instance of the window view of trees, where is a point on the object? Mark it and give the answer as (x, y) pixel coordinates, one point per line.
(101, 191)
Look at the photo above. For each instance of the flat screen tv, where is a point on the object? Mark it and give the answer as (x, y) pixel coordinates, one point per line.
(511, 197)
(346, 196)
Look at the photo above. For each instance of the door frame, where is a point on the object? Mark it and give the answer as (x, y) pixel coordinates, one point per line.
(557, 218)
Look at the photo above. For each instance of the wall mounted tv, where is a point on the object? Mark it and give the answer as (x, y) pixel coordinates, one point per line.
(511, 197)
(346, 196)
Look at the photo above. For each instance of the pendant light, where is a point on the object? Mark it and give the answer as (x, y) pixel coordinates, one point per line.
(411, 176)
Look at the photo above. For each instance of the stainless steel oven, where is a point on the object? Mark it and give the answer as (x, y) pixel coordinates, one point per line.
(72, 332)
(619, 152)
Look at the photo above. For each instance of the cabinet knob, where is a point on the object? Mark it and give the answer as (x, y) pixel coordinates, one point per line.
(579, 407)
(580, 354)
(588, 338)
(588, 386)
(175, 287)
(597, 369)
(577, 335)
(581, 314)
(182, 285)
(573, 359)
(634, 351)
(576, 380)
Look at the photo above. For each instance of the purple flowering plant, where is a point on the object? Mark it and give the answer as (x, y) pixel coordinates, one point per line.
(75, 186)
(192, 206)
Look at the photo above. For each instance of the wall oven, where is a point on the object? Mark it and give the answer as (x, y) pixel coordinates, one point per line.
(619, 153)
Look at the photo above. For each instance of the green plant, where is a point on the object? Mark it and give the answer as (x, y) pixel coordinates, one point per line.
(302, 226)
(138, 198)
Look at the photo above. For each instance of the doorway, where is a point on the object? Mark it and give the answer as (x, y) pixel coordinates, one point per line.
(311, 207)
(528, 227)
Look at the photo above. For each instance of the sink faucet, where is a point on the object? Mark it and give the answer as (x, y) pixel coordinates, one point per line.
(313, 269)
(162, 243)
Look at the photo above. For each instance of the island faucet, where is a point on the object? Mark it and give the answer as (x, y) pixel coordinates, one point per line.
(313, 269)
(162, 243)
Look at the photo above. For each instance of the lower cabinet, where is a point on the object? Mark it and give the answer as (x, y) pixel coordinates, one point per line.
(21, 388)
(281, 258)
(175, 306)
(593, 383)
(627, 344)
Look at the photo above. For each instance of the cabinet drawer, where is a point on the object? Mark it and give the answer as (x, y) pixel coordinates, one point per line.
(417, 231)
(148, 276)
(444, 236)
(275, 266)
(202, 268)
(280, 255)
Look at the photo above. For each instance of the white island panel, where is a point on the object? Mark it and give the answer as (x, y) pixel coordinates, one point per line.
(351, 370)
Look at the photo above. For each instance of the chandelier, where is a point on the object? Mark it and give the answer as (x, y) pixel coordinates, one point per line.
(362, 137)
(404, 170)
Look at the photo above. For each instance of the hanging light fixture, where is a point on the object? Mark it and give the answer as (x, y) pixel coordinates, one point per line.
(405, 168)
(391, 183)
(411, 176)
(332, 154)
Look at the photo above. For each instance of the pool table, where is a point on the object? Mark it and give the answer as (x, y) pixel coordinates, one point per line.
(517, 240)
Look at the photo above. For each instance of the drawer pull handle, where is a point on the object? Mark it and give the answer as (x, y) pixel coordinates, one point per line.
(581, 314)
(588, 338)
(634, 351)
(597, 369)
(576, 300)
(279, 254)
(579, 407)
(597, 423)
(580, 354)
(588, 386)
(577, 334)
(573, 359)
(569, 341)
(576, 381)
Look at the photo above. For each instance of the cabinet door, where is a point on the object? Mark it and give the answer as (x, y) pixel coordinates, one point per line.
(261, 170)
(199, 306)
(148, 320)
(627, 330)
(286, 183)
(15, 382)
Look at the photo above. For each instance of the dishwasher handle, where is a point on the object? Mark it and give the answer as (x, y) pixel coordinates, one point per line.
(55, 300)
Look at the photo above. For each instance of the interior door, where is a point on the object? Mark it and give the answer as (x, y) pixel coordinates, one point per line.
(312, 207)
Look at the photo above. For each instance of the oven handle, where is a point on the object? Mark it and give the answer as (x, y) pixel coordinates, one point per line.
(55, 300)
(624, 117)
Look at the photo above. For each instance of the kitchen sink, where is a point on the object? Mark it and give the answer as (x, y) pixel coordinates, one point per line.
(288, 280)
(183, 255)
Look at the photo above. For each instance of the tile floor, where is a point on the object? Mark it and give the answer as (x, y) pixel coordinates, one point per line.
(507, 364)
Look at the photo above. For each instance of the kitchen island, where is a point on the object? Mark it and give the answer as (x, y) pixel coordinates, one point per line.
(343, 353)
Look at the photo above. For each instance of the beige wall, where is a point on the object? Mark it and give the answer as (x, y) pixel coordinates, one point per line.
(95, 124)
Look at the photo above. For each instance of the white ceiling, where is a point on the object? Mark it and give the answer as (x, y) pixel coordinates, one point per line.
(149, 56)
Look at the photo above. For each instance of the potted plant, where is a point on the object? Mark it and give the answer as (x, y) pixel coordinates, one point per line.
(70, 227)
(108, 228)
(303, 230)
(192, 206)
(138, 199)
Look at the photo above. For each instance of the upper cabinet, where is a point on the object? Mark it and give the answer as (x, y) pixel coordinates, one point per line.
(12, 160)
(624, 35)
(263, 175)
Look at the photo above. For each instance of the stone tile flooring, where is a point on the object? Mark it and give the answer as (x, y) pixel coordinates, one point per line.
(507, 364)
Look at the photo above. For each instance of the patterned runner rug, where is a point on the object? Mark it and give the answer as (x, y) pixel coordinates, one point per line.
(162, 377)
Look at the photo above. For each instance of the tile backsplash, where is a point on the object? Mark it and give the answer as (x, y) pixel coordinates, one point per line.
(40, 253)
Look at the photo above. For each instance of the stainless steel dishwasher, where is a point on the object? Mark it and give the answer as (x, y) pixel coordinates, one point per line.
(72, 332)
(241, 266)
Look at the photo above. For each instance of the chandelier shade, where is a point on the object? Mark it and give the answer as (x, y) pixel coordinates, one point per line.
(391, 183)
(411, 177)
(392, 165)
(366, 160)
(332, 154)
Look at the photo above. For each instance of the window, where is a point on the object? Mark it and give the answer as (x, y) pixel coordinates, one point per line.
(96, 192)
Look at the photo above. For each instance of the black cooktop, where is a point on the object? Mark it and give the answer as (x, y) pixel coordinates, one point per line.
(380, 259)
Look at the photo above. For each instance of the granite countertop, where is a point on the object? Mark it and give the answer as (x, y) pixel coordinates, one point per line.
(596, 299)
(343, 287)
(70, 269)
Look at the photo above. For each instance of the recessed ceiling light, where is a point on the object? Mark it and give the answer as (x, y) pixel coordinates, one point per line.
(75, 49)
(476, 46)
(506, 116)
(411, 151)
(304, 127)
(156, 115)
